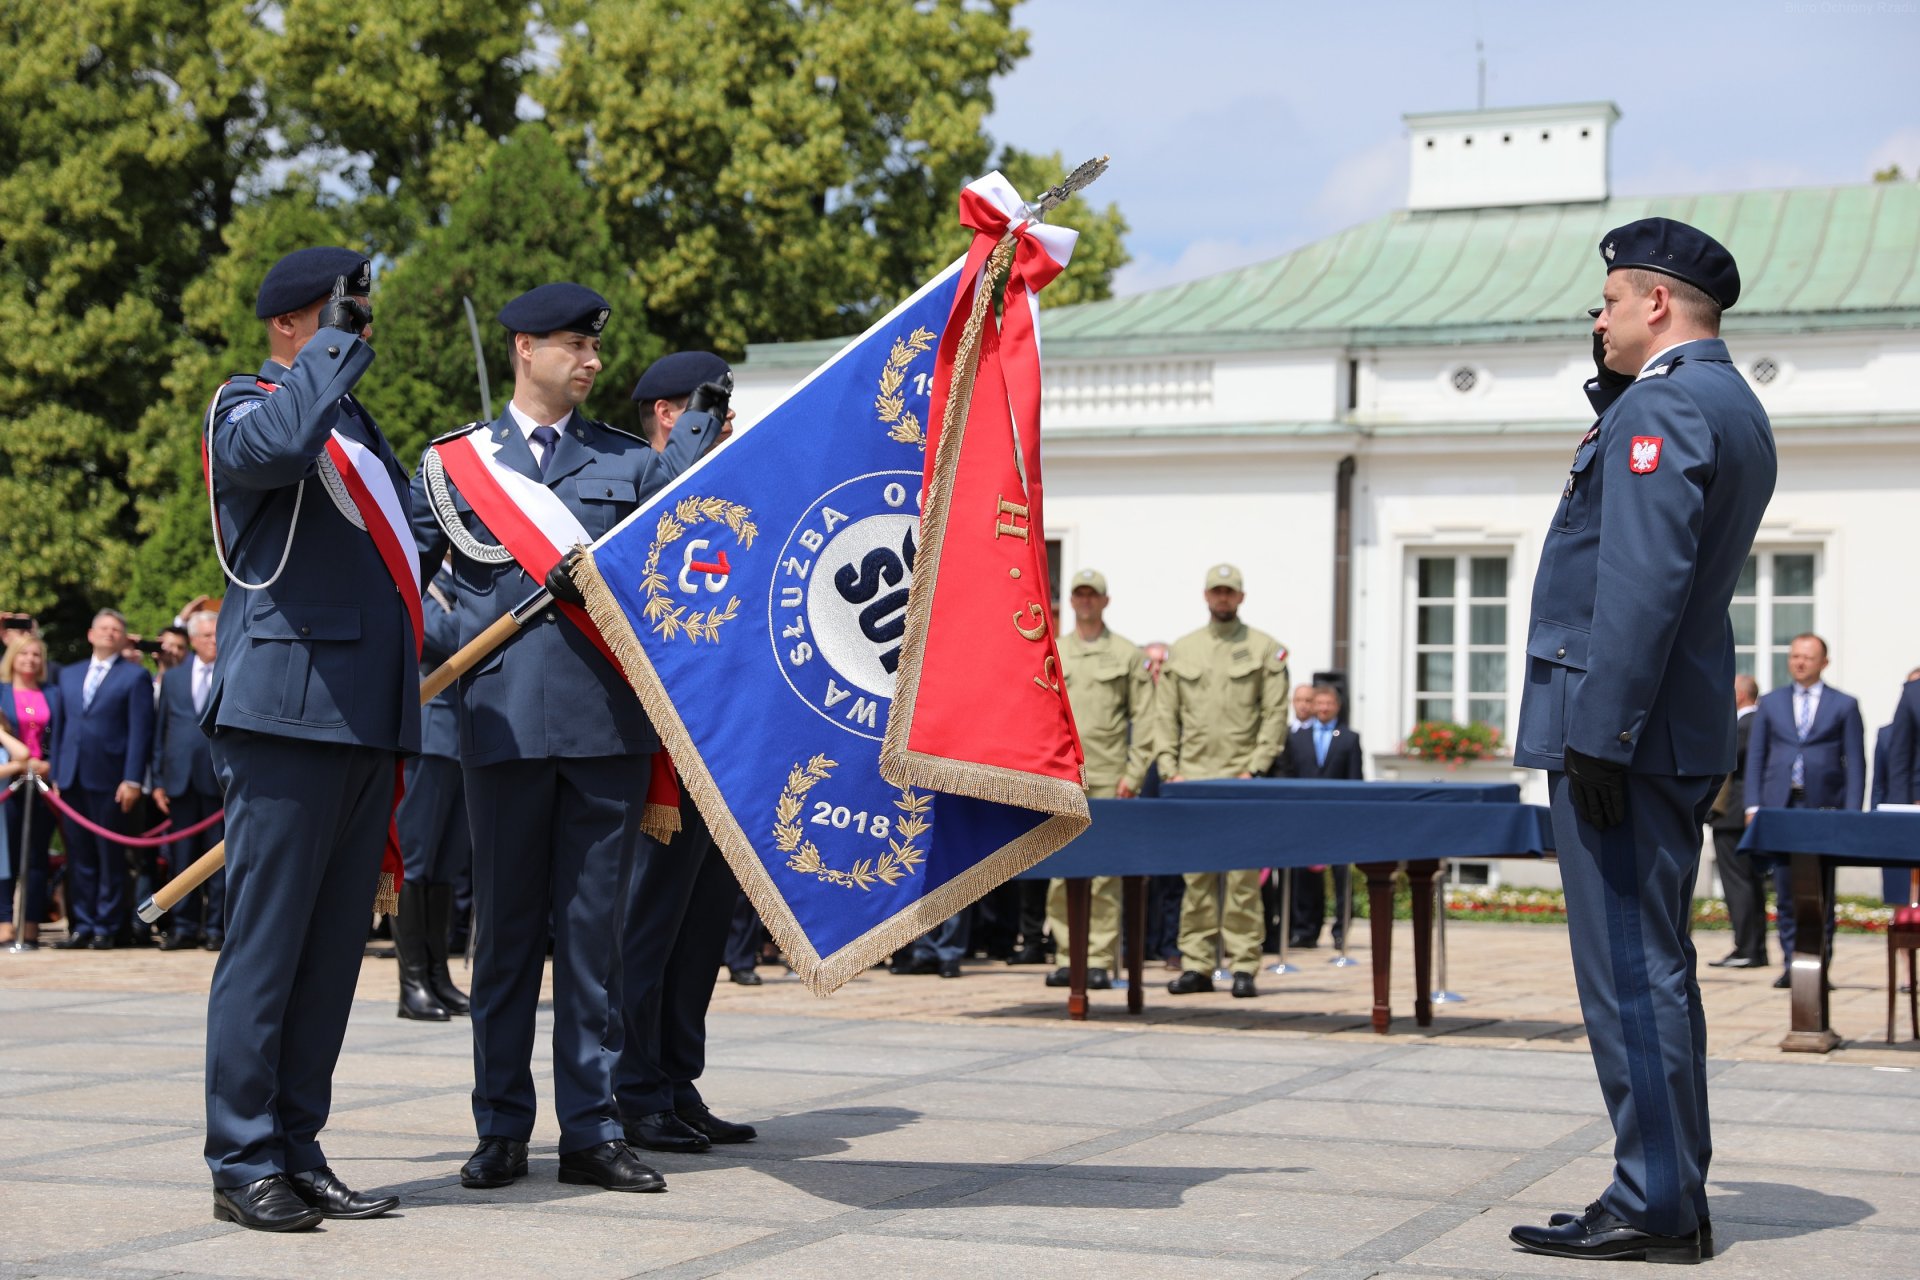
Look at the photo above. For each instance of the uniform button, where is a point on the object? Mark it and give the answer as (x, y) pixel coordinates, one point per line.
(334, 352)
(549, 615)
(609, 493)
(306, 631)
(1626, 737)
(1559, 653)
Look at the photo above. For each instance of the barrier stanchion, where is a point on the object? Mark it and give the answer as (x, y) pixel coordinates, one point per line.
(22, 794)
(1442, 995)
(1343, 960)
(1280, 965)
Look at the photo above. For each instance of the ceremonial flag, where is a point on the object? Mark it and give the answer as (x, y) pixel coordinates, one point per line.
(783, 618)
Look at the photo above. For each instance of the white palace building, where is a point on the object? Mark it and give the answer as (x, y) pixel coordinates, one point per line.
(1376, 426)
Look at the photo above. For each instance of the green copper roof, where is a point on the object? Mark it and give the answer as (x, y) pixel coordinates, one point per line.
(1811, 259)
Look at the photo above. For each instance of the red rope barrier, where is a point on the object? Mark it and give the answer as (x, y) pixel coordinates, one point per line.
(147, 841)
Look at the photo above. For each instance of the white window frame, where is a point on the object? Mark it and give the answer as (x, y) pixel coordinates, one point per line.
(1766, 645)
(1461, 647)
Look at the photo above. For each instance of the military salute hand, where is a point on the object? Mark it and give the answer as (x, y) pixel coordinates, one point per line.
(712, 397)
(346, 312)
(1599, 789)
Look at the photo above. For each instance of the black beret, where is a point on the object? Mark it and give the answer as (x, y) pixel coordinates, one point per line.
(305, 276)
(671, 377)
(553, 308)
(1678, 250)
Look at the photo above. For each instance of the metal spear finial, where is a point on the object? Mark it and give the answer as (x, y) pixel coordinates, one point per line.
(1055, 196)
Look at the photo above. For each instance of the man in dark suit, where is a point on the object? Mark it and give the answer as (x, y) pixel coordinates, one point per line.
(186, 789)
(1629, 658)
(1903, 747)
(1321, 748)
(1807, 751)
(1896, 882)
(1743, 879)
(100, 760)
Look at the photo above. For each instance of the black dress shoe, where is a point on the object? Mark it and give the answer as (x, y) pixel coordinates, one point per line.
(321, 1190)
(1243, 987)
(611, 1166)
(496, 1162)
(909, 968)
(718, 1131)
(1061, 977)
(745, 977)
(665, 1131)
(101, 942)
(1734, 960)
(73, 942)
(179, 942)
(1028, 955)
(212, 943)
(949, 968)
(1099, 980)
(1598, 1234)
(266, 1205)
(1706, 1229)
(1190, 982)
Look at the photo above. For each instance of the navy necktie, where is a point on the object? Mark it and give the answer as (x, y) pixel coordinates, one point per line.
(546, 438)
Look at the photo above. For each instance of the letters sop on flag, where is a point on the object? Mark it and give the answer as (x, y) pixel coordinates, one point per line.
(788, 627)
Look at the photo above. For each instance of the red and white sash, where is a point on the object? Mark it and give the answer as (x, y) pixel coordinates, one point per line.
(370, 485)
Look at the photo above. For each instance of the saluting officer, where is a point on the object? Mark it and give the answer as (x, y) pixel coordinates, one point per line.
(315, 698)
(680, 900)
(553, 740)
(1630, 657)
(1221, 712)
(1112, 699)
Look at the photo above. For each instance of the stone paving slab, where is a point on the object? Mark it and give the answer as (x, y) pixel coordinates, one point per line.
(915, 1127)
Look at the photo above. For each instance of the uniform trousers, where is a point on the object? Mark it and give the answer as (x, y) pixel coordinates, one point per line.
(553, 839)
(306, 827)
(743, 934)
(1744, 881)
(679, 911)
(28, 844)
(1237, 926)
(96, 868)
(203, 912)
(432, 821)
(1629, 898)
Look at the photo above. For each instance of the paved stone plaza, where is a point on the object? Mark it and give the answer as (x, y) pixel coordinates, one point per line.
(919, 1127)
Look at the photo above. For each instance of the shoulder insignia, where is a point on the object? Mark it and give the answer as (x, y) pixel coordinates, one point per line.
(244, 408)
(1644, 456)
(456, 433)
(1280, 656)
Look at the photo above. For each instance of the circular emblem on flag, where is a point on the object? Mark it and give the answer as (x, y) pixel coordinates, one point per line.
(690, 564)
(837, 606)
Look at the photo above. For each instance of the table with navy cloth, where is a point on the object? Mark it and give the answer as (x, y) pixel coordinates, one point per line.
(1806, 838)
(1236, 824)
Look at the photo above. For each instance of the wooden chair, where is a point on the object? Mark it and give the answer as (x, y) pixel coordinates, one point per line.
(1904, 935)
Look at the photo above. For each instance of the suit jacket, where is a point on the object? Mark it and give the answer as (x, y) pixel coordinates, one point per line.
(1903, 748)
(1629, 648)
(98, 747)
(1834, 752)
(1343, 755)
(326, 652)
(1729, 811)
(548, 692)
(182, 754)
(11, 710)
(1882, 774)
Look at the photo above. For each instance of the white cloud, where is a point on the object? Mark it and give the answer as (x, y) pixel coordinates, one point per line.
(1902, 147)
(1363, 185)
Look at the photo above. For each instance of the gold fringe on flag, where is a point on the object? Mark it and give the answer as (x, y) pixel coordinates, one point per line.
(660, 821)
(386, 898)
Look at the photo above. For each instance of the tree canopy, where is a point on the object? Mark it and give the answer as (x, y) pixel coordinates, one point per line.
(725, 171)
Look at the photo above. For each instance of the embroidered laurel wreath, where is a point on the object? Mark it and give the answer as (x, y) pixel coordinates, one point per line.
(670, 619)
(891, 403)
(903, 855)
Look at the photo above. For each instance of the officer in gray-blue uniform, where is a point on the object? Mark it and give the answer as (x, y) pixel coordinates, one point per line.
(315, 698)
(556, 752)
(680, 903)
(1627, 706)
(432, 823)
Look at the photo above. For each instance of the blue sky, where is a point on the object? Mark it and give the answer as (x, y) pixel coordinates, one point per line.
(1240, 130)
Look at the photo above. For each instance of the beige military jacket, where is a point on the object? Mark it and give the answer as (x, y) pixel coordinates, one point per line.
(1112, 699)
(1221, 707)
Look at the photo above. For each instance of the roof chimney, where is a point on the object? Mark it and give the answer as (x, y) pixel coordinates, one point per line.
(1509, 156)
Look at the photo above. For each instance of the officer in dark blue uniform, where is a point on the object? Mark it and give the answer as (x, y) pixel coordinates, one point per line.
(556, 751)
(1630, 663)
(680, 905)
(315, 698)
(432, 821)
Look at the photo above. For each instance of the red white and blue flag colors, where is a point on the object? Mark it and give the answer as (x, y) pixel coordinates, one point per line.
(839, 622)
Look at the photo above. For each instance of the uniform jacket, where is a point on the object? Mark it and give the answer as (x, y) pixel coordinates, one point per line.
(1834, 752)
(1344, 759)
(1112, 699)
(548, 692)
(440, 718)
(1221, 706)
(1732, 816)
(182, 754)
(99, 747)
(1903, 748)
(1629, 649)
(326, 653)
(1882, 775)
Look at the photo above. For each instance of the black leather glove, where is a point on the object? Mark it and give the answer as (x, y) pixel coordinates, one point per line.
(345, 313)
(712, 397)
(1598, 789)
(1609, 380)
(560, 583)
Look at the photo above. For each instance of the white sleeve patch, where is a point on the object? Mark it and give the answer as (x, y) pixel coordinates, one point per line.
(241, 410)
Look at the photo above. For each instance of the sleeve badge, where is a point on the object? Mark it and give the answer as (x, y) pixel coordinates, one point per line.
(1644, 459)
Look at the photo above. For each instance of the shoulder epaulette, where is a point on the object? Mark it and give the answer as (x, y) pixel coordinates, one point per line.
(456, 433)
(620, 431)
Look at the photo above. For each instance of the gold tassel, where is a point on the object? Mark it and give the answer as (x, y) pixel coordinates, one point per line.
(660, 821)
(386, 898)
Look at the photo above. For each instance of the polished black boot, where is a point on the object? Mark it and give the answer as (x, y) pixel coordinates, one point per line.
(417, 1000)
(439, 929)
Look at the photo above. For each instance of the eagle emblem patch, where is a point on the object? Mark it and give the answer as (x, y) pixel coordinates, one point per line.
(1644, 459)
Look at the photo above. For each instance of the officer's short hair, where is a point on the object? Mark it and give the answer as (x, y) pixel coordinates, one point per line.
(1747, 687)
(1687, 299)
(115, 614)
(205, 617)
(1808, 635)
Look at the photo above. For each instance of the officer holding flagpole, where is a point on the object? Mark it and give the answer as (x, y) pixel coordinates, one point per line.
(554, 744)
(1626, 705)
(315, 698)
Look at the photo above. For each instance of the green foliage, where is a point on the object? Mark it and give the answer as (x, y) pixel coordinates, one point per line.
(723, 170)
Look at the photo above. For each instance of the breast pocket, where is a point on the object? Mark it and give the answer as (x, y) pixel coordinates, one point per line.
(603, 502)
(299, 666)
(1243, 685)
(1576, 496)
